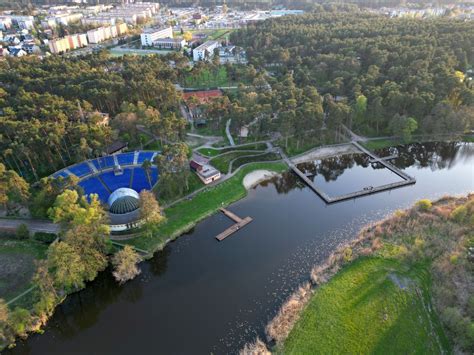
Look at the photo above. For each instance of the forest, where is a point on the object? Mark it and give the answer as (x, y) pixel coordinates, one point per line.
(50, 109)
(376, 74)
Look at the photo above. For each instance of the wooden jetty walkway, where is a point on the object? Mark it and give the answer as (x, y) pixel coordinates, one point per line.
(239, 223)
(390, 157)
(406, 179)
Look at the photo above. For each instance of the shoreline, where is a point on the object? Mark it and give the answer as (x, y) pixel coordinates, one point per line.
(369, 243)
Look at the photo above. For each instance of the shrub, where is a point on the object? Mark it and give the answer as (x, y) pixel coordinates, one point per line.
(22, 232)
(43, 237)
(19, 321)
(125, 264)
(454, 259)
(347, 254)
(424, 205)
(459, 214)
(258, 347)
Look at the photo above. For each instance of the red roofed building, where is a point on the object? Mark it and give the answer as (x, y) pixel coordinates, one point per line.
(202, 96)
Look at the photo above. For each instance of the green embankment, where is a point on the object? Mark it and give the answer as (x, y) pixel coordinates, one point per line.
(185, 214)
(373, 305)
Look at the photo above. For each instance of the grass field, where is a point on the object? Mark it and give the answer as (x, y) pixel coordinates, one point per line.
(373, 306)
(184, 215)
(17, 265)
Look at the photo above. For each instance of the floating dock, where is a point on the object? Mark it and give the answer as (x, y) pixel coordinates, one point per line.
(406, 179)
(239, 223)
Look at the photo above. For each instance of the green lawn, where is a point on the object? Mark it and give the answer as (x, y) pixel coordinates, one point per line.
(210, 152)
(381, 143)
(372, 306)
(184, 215)
(245, 160)
(194, 184)
(208, 79)
(17, 261)
(222, 162)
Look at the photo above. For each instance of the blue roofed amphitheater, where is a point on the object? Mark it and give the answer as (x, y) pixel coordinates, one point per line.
(116, 179)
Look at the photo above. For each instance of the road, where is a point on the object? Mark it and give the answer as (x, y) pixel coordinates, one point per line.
(34, 225)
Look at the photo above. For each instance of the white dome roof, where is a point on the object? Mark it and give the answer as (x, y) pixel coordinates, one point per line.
(122, 192)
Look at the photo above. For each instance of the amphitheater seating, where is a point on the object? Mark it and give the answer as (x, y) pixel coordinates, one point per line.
(154, 176)
(93, 185)
(104, 162)
(144, 156)
(104, 182)
(61, 173)
(115, 182)
(80, 170)
(140, 180)
(125, 158)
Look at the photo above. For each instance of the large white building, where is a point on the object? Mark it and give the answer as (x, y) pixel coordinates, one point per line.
(150, 35)
(205, 51)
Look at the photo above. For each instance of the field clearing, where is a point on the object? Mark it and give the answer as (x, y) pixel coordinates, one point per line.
(373, 305)
(17, 265)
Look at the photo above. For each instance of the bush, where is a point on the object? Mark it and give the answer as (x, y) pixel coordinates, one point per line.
(22, 232)
(454, 259)
(459, 214)
(43, 237)
(424, 205)
(347, 255)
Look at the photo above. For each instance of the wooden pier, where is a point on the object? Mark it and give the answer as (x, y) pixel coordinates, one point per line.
(390, 157)
(239, 223)
(407, 179)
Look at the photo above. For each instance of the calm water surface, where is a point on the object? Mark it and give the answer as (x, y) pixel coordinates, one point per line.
(199, 296)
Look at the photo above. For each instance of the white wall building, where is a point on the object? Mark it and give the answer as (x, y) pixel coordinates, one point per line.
(152, 34)
(205, 51)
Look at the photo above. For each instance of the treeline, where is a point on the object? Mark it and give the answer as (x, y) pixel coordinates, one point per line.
(376, 69)
(49, 108)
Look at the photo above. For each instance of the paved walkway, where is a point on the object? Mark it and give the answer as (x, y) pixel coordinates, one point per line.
(227, 132)
(34, 225)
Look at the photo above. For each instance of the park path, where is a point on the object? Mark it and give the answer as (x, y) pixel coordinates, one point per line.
(34, 225)
(227, 132)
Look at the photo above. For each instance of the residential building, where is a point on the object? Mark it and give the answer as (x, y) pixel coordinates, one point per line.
(150, 35)
(5, 22)
(205, 51)
(64, 44)
(4, 52)
(24, 22)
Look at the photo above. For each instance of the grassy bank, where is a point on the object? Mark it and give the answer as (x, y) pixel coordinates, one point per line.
(403, 285)
(184, 215)
(374, 305)
(386, 143)
(17, 258)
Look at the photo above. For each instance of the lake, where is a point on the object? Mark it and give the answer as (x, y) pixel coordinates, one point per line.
(200, 296)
